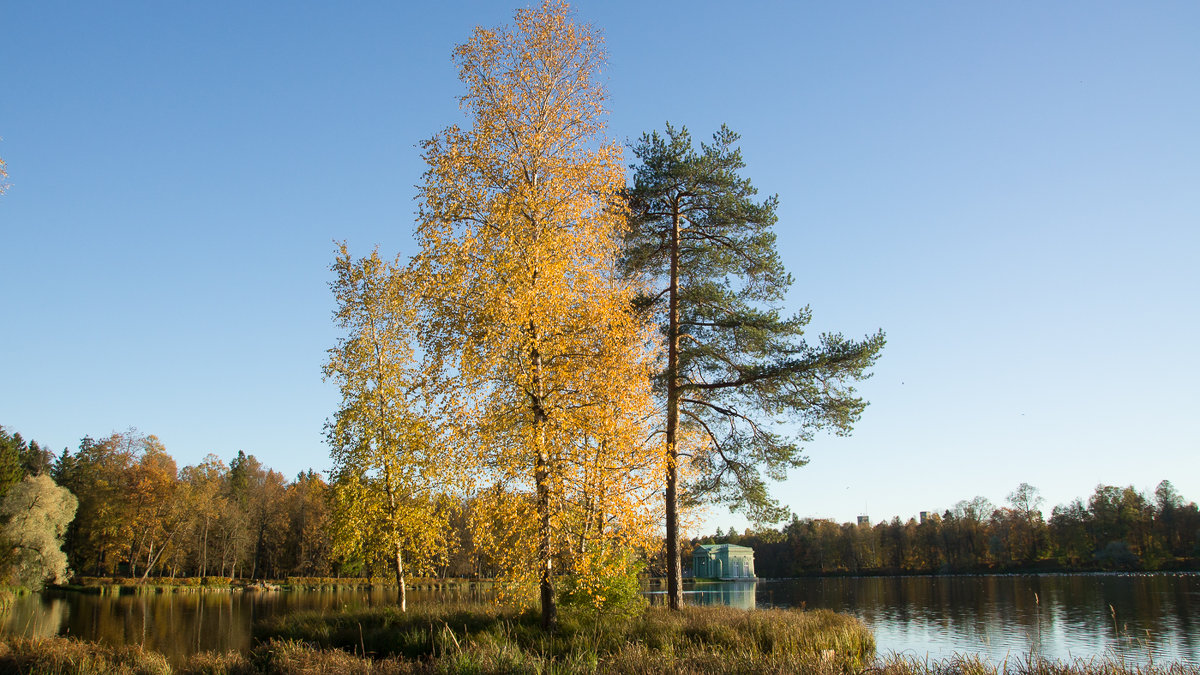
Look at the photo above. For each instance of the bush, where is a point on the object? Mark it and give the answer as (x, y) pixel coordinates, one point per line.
(611, 590)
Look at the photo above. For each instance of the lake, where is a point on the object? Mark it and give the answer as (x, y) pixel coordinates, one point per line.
(1139, 618)
(1136, 617)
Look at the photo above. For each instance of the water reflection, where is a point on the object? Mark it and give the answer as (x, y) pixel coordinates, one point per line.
(739, 594)
(34, 619)
(1134, 617)
(1138, 618)
(181, 624)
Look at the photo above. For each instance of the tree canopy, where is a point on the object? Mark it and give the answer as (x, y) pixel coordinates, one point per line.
(521, 218)
(737, 373)
(33, 519)
(391, 471)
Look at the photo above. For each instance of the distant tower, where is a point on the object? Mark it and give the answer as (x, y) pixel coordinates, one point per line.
(864, 520)
(924, 515)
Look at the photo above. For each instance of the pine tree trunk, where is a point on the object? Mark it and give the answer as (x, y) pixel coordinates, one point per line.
(674, 567)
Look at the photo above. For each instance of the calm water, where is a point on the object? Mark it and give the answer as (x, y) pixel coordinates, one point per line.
(1135, 617)
(1139, 618)
(181, 624)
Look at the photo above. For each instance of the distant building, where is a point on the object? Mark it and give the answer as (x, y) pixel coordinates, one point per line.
(924, 515)
(864, 520)
(723, 561)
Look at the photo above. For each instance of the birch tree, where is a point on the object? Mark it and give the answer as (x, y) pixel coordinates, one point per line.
(389, 470)
(519, 230)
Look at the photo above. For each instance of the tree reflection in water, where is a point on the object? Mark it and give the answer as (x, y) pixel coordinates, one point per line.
(1132, 617)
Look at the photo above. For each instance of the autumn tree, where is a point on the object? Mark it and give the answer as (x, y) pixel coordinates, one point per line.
(735, 367)
(202, 494)
(256, 496)
(33, 519)
(100, 475)
(390, 472)
(155, 519)
(1023, 524)
(308, 546)
(519, 230)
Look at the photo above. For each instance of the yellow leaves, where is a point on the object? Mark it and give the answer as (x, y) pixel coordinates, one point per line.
(391, 472)
(519, 226)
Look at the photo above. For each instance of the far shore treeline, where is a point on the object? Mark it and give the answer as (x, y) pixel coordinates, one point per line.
(142, 516)
(1117, 528)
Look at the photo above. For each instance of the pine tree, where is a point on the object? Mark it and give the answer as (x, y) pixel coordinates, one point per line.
(735, 365)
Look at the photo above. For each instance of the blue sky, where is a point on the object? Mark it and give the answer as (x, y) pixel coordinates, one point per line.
(1010, 190)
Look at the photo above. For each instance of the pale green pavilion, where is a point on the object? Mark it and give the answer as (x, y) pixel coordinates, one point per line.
(723, 561)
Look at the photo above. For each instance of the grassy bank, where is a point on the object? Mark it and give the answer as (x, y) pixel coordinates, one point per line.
(487, 639)
(62, 656)
(472, 638)
(492, 639)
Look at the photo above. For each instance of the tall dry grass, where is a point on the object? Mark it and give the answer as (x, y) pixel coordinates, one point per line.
(485, 639)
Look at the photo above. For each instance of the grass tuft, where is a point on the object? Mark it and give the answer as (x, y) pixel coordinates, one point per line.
(63, 656)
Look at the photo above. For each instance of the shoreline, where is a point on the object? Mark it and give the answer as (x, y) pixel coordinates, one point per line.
(480, 638)
(126, 586)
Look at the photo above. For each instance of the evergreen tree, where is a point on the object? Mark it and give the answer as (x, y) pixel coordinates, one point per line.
(12, 447)
(735, 366)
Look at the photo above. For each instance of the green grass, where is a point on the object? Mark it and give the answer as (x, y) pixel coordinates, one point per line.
(484, 639)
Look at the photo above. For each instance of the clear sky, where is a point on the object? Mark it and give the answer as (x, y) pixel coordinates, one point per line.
(1010, 190)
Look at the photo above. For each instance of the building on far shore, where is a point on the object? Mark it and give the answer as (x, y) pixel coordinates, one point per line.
(723, 561)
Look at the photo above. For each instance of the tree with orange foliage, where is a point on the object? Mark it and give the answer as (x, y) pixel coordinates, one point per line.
(519, 229)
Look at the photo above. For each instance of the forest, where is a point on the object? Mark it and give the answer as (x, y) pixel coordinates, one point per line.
(141, 516)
